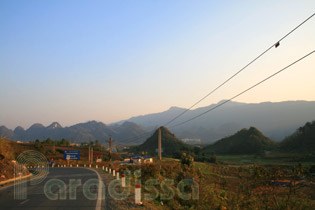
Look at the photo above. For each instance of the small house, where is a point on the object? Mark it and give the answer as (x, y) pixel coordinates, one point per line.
(137, 159)
(147, 159)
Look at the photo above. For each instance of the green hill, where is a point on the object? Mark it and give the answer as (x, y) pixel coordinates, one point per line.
(245, 141)
(170, 144)
(303, 140)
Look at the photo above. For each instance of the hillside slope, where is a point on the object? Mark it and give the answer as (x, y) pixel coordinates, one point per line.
(245, 141)
(303, 140)
(170, 143)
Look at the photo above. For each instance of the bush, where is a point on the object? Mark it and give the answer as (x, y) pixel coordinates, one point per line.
(187, 160)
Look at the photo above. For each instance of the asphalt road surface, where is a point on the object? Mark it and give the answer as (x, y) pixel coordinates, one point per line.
(37, 199)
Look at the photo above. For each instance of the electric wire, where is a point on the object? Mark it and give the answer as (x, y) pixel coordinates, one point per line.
(241, 93)
(242, 69)
(222, 84)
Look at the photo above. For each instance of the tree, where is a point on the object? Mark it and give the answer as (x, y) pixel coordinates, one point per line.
(197, 151)
(48, 141)
(91, 143)
(84, 144)
(97, 145)
(64, 142)
(187, 160)
(38, 145)
(213, 159)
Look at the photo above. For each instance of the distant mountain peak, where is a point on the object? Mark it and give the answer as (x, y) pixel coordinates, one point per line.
(54, 125)
(128, 123)
(222, 101)
(3, 127)
(94, 122)
(229, 103)
(37, 125)
(19, 128)
(175, 108)
(5, 132)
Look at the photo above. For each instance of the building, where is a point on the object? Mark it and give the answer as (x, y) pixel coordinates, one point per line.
(147, 159)
(137, 159)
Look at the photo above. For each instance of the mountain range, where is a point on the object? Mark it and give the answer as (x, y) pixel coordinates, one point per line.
(276, 120)
(82, 132)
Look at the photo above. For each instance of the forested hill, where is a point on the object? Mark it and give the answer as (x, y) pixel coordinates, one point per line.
(303, 140)
(170, 144)
(245, 141)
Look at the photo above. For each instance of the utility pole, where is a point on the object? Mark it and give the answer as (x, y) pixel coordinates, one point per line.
(89, 154)
(92, 154)
(54, 147)
(110, 147)
(159, 144)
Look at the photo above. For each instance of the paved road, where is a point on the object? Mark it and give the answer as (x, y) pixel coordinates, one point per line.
(36, 198)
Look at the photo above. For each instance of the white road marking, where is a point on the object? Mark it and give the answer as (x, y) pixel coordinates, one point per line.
(24, 201)
(100, 190)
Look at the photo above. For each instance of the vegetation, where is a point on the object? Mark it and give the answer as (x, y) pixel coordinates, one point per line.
(303, 140)
(279, 180)
(171, 145)
(264, 175)
(218, 186)
(245, 141)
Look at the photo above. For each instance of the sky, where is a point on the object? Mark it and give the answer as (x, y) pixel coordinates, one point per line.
(74, 61)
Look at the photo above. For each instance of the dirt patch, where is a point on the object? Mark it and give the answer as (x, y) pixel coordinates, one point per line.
(129, 201)
(7, 169)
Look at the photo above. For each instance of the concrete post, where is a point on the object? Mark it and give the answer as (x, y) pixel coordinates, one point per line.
(117, 175)
(123, 180)
(138, 194)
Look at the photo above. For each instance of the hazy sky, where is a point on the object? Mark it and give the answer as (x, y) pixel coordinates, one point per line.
(74, 61)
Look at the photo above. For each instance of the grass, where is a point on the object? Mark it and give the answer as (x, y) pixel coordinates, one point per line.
(229, 184)
(273, 159)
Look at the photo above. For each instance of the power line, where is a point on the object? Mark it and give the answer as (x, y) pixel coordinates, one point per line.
(145, 134)
(227, 80)
(274, 45)
(262, 81)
